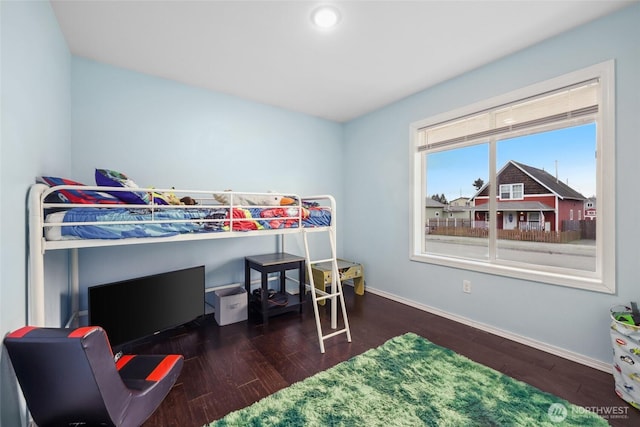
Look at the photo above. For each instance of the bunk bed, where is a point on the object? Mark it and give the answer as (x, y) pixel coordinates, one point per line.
(65, 215)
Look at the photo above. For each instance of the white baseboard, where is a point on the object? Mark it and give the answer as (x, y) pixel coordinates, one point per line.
(539, 345)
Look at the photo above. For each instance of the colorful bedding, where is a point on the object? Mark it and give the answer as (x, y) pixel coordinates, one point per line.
(120, 223)
(116, 208)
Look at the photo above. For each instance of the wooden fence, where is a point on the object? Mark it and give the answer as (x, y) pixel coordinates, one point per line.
(587, 228)
(539, 236)
(466, 228)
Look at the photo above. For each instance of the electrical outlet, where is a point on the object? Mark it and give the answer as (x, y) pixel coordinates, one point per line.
(466, 286)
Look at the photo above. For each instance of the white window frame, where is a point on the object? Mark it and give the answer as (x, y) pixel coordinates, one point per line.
(511, 191)
(603, 278)
(505, 190)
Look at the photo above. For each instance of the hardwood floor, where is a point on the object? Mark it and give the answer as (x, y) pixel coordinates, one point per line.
(227, 368)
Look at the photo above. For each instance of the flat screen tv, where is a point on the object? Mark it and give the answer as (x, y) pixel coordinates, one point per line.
(136, 308)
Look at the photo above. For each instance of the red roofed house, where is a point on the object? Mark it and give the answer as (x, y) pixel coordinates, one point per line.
(530, 199)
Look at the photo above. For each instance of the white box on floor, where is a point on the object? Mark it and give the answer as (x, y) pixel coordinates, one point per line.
(230, 305)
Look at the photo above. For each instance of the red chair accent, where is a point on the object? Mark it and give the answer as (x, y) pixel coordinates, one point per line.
(69, 377)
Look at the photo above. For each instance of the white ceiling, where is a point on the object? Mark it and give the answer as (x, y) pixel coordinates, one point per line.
(269, 52)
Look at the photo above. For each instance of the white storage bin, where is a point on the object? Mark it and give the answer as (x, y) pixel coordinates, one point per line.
(230, 305)
(625, 339)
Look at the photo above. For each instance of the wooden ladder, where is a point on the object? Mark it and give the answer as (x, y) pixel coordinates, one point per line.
(335, 293)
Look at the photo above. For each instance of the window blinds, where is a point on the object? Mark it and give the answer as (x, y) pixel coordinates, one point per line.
(580, 100)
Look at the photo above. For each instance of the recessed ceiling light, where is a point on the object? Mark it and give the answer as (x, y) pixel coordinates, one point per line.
(325, 17)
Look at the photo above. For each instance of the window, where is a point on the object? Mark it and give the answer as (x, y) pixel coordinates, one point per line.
(526, 161)
(511, 191)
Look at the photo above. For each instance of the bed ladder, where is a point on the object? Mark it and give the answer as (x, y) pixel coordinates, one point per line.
(335, 294)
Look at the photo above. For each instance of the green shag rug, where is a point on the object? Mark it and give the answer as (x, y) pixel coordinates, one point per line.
(409, 381)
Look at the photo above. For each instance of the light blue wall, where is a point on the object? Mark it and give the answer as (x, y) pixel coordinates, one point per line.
(35, 137)
(166, 134)
(60, 115)
(571, 319)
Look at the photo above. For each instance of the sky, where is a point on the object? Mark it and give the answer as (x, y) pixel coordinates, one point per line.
(571, 150)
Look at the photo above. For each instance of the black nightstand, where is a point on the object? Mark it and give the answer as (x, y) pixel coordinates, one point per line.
(272, 263)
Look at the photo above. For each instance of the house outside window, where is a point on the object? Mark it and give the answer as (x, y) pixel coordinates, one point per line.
(590, 209)
(534, 156)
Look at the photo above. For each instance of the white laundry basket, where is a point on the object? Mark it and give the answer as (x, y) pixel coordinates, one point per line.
(625, 339)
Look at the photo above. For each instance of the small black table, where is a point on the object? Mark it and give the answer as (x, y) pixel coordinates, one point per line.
(271, 263)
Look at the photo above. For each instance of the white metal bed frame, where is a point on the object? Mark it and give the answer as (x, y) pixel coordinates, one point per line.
(38, 245)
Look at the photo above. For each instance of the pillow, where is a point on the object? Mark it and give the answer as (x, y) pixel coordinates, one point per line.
(110, 178)
(70, 195)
